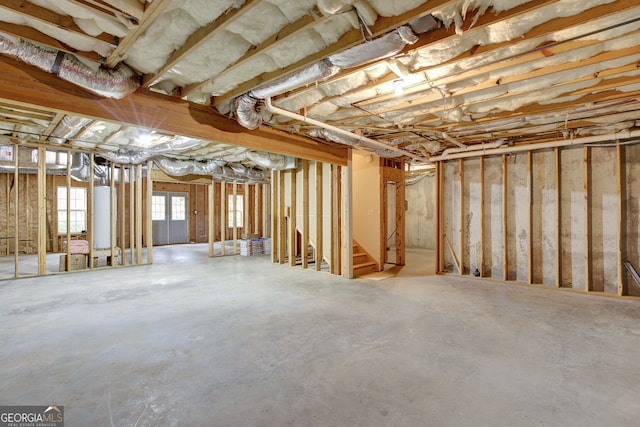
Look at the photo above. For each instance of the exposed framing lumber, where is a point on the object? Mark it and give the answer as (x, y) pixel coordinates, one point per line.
(42, 212)
(530, 218)
(293, 229)
(121, 215)
(90, 200)
(24, 85)
(346, 220)
(132, 219)
(282, 230)
(246, 228)
(505, 238)
(16, 207)
(290, 31)
(112, 213)
(620, 188)
(453, 254)
(400, 217)
(131, 7)
(319, 211)
(352, 38)
(558, 218)
(235, 217)
(305, 213)
(588, 268)
(67, 264)
(223, 217)
(334, 249)
(151, 13)
(138, 212)
(255, 224)
(149, 212)
(266, 209)
(211, 218)
(7, 197)
(275, 214)
(198, 38)
(439, 220)
(482, 216)
(462, 216)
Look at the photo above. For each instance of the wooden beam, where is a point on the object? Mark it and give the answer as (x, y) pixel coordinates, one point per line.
(199, 37)
(148, 219)
(558, 217)
(293, 229)
(505, 239)
(42, 212)
(21, 84)
(588, 268)
(131, 7)
(151, 13)
(319, 211)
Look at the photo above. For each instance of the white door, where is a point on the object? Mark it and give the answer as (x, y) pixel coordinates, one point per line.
(169, 214)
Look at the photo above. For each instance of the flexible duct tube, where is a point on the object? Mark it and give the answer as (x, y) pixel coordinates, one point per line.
(67, 128)
(134, 158)
(539, 146)
(116, 83)
(364, 139)
(212, 167)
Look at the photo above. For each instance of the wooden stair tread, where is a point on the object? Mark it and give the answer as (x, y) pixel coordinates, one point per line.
(364, 264)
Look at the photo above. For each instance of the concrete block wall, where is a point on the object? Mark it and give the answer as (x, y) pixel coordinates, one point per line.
(543, 225)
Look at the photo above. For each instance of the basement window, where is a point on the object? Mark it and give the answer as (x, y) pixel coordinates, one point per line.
(77, 212)
(239, 211)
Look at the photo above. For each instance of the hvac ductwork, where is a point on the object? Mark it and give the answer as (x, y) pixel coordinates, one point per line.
(116, 83)
(67, 128)
(212, 167)
(80, 171)
(126, 158)
(247, 113)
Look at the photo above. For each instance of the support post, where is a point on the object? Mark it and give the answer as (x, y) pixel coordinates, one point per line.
(440, 217)
(556, 159)
(121, 215)
(305, 214)
(112, 213)
(67, 264)
(16, 206)
(91, 207)
(148, 219)
(588, 268)
(334, 256)
(505, 240)
(282, 231)
(132, 217)
(211, 218)
(293, 233)
(235, 217)
(223, 216)
(346, 223)
(620, 178)
(530, 218)
(482, 191)
(42, 212)
(275, 214)
(246, 223)
(462, 216)
(138, 212)
(319, 211)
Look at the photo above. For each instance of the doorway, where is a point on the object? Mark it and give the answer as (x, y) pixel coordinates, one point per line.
(169, 215)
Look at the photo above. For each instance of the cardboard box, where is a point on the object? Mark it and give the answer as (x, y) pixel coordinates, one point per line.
(76, 262)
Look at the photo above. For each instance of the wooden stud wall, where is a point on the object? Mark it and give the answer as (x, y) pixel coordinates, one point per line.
(599, 269)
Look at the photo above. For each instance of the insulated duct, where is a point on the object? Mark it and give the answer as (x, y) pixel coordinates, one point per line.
(67, 128)
(212, 167)
(80, 164)
(125, 157)
(116, 83)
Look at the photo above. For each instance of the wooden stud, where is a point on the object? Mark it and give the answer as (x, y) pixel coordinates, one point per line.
(138, 213)
(257, 210)
(246, 225)
(112, 213)
(346, 222)
(440, 209)
(530, 218)
(27, 207)
(148, 217)
(223, 217)
(293, 229)
(7, 197)
(275, 214)
(16, 210)
(210, 218)
(557, 179)
(621, 218)
(266, 209)
(588, 282)
(305, 213)
(234, 220)
(462, 215)
(335, 221)
(122, 216)
(482, 216)
(67, 264)
(319, 218)
(42, 211)
(282, 231)
(505, 240)
(132, 218)
(400, 219)
(91, 210)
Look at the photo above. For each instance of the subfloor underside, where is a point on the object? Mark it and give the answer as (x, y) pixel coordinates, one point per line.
(238, 341)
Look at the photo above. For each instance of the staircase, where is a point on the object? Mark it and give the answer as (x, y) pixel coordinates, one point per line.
(363, 263)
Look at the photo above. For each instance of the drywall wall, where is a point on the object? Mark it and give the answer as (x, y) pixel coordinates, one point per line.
(366, 202)
(421, 214)
(549, 217)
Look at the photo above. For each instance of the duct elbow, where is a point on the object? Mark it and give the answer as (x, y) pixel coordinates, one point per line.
(247, 114)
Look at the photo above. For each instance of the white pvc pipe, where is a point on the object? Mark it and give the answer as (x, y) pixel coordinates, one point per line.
(304, 119)
(539, 146)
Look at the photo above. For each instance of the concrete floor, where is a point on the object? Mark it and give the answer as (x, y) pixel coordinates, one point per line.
(237, 341)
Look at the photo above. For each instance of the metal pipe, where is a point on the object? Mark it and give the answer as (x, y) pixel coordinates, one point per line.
(539, 146)
(277, 110)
